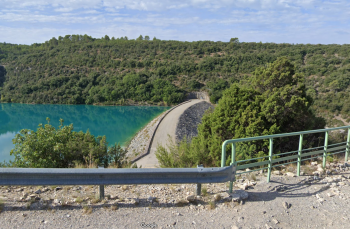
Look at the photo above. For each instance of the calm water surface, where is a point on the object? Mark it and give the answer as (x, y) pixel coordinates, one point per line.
(119, 123)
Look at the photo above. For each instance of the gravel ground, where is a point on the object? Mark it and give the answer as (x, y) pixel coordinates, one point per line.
(308, 201)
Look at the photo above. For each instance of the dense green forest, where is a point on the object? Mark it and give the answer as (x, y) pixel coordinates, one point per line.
(79, 69)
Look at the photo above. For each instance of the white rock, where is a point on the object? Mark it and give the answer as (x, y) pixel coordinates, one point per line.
(314, 163)
(320, 170)
(290, 174)
(275, 221)
(238, 195)
(276, 172)
(191, 198)
(243, 186)
(151, 199)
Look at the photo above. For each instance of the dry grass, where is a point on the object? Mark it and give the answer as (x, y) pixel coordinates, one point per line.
(95, 200)
(125, 187)
(308, 170)
(2, 205)
(79, 200)
(217, 197)
(181, 203)
(87, 210)
(291, 167)
(251, 177)
(212, 205)
(204, 191)
(114, 206)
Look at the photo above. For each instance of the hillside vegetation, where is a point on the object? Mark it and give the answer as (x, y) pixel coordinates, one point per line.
(79, 69)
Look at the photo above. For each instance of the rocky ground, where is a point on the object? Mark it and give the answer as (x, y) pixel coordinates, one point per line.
(190, 119)
(318, 199)
(140, 143)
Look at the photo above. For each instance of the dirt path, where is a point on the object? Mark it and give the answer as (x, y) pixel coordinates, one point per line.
(166, 127)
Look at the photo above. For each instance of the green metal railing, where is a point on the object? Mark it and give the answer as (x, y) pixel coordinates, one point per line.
(321, 151)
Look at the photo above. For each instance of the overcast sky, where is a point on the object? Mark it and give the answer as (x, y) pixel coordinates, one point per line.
(279, 21)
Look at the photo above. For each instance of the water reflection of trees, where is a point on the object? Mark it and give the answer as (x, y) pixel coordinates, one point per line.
(105, 120)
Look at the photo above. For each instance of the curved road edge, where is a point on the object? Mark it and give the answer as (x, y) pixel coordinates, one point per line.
(150, 141)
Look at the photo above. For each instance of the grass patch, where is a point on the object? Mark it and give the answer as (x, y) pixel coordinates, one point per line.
(217, 197)
(87, 210)
(114, 206)
(204, 191)
(212, 205)
(181, 203)
(125, 187)
(251, 177)
(95, 200)
(79, 200)
(2, 205)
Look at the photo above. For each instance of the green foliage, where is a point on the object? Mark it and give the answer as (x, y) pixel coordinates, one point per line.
(176, 156)
(48, 147)
(79, 69)
(273, 101)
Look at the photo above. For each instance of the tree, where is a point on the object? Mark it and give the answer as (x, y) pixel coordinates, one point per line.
(140, 38)
(234, 40)
(274, 101)
(147, 38)
(2, 75)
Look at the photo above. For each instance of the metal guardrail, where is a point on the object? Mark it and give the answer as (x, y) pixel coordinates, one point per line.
(52, 176)
(322, 151)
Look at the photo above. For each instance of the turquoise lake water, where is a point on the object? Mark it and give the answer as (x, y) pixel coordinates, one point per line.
(118, 123)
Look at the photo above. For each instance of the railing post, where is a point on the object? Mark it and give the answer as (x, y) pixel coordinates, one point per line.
(325, 149)
(270, 160)
(199, 186)
(223, 154)
(233, 161)
(102, 188)
(347, 146)
(299, 153)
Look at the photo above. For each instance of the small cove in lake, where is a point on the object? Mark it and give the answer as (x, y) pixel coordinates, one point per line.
(118, 123)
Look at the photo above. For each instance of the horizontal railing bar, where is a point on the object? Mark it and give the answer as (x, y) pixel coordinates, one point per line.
(336, 148)
(318, 147)
(285, 158)
(284, 164)
(53, 176)
(311, 158)
(252, 164)
(253, 170)
(335, 144)
(285, 153)
(283, 135)
(336, 153)
(312, 153)
(252, 159)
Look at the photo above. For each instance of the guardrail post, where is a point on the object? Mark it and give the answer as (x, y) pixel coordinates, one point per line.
(223, 155)
(199, 186)
(270, 160)
(102, 188)
(325, 149)
(347, 146)
(233, 161)
(299, 153)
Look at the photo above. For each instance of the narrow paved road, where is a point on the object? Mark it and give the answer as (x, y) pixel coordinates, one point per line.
(166, 127)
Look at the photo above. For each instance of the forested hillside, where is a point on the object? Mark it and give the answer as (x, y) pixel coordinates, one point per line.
(77, 69)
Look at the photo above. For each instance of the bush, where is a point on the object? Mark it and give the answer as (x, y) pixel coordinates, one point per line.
(48, 147)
